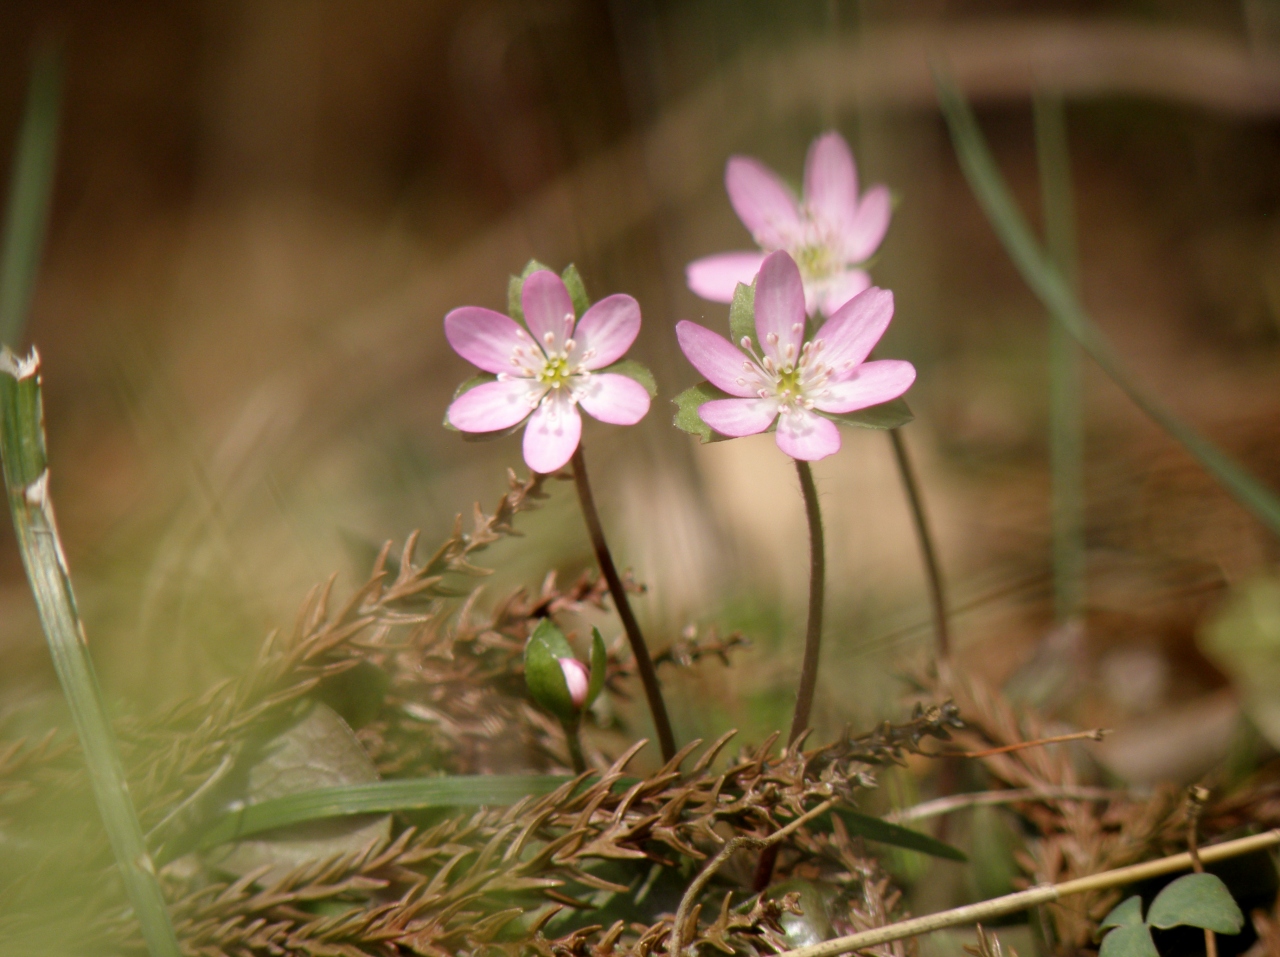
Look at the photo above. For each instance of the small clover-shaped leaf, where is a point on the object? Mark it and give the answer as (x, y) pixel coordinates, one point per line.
(577, 289)
(742, 313)
(1130, 941)
(1128, 913)
(1198, 900)
(635, 370)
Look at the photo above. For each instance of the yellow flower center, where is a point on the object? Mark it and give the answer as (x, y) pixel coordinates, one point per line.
(815, 261)
(555, 373)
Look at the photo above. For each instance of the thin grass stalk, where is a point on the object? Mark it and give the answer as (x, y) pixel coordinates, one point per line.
(817, 588)
(928, 553)
(22, 453)
(1035, 896)
(644, 662)
(1048, 283)
(30, 191)
(1066, 412)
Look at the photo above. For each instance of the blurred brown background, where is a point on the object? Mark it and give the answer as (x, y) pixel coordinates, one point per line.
(264, 209)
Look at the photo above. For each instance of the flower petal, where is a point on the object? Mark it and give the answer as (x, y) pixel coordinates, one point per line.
(548, 310)
(716, 277)
(607, 329)
(722, 363)
(485, 338)
(737, 417)
(831, 182)
(762, 201)
(849, 336)
(805, 436)
(830, 294)
(866, 231)
(613, 398)
(780, 308)
(870, 384)
(494, 405)
(552, 434)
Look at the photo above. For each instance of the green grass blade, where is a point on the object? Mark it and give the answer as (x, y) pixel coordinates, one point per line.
(876, 829)
(1048, 283)
(30, 190)
(22, 453)
(1066, 414)
(379, 797)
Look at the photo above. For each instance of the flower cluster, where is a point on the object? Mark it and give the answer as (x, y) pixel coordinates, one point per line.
(553, 356)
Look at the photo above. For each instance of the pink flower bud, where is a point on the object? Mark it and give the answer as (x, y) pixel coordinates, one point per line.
(577, 678)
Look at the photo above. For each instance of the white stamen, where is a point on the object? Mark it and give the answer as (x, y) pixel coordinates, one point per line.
(549, 338)
(570, 345)
(771, 338)
(745, 342)
(797, 328)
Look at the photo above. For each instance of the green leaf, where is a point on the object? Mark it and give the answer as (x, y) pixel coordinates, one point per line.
(1198, 900)
(742, 313)
(1243, 639)
(22, 452)
(543, 674)
(318, 750)
(887, 415)
(687, 418)
(378, 797)
(599, 659)
(1128, 913)
(875, 829)
(514, 309)
(577, 289)
(30, 193)
(1130, 941)
(635, 370)
(1052, 288)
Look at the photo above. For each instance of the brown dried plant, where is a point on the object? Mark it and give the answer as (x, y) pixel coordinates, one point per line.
(526, 878)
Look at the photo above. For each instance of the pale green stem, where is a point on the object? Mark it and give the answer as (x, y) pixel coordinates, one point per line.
(817, 586)
(22, 450)
(1025, 900)
(1066, 422)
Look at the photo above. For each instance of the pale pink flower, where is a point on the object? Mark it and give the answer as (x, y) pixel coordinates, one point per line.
(829, 232)
(546, 371)
(781, 376)
(576, 678)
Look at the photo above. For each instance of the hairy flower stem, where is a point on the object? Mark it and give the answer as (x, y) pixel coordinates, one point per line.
(817, 587)
(575, 746)
(933, 573)
(644, 663)
(812, 640)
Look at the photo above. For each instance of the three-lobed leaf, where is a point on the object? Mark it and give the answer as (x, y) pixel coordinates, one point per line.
(1125, 914)
(1133, 940)
(1197, 900)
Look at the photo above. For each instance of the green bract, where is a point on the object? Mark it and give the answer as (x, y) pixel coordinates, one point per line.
(545, 678)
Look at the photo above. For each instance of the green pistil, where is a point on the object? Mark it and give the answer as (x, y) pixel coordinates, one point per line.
(555, 372)
(814, 261)
(789, 381)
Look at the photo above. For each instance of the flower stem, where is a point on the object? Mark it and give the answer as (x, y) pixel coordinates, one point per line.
(644, 663)
(937, 595)
(575, 746)
(817, 586)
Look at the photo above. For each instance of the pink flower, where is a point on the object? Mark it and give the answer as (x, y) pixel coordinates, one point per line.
(828, 233)
(798, 383)
(543, 373)
(576, 678)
